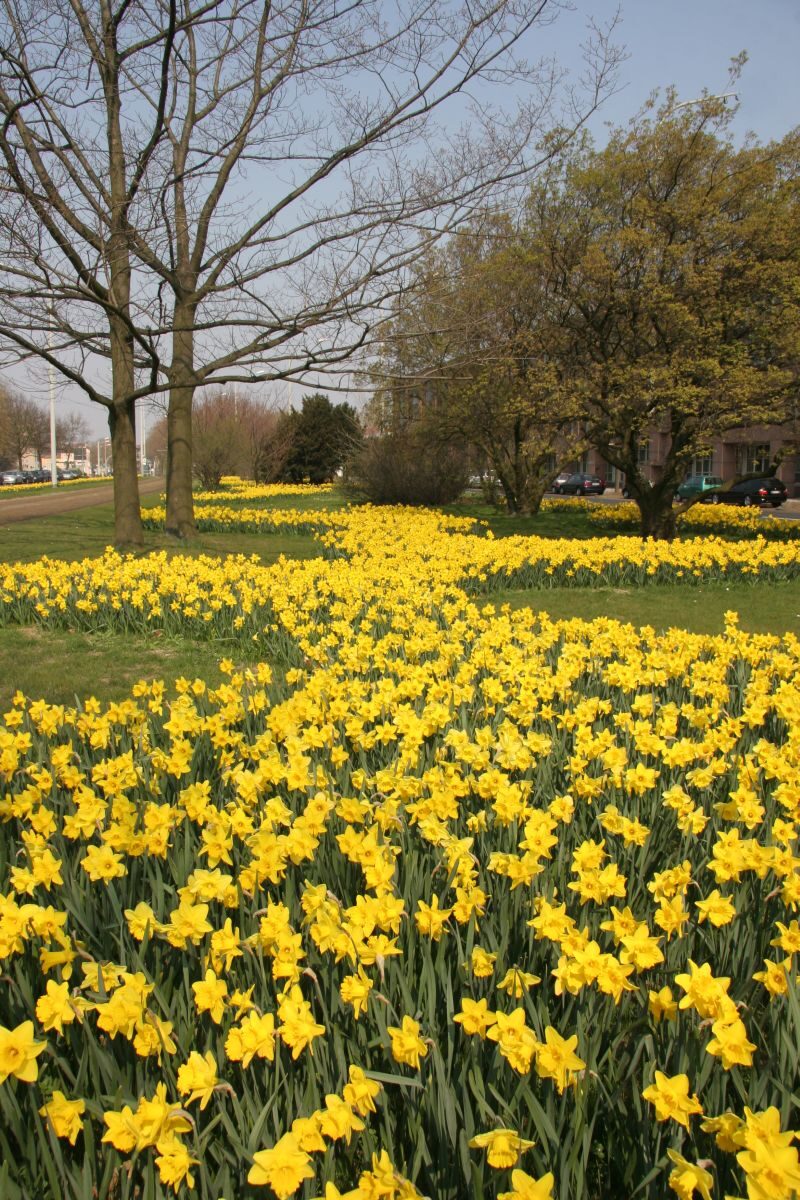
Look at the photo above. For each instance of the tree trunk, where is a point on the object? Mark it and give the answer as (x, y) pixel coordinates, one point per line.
(180, 504)
(122, 410)
(508, 491)
(122, 427)
(497, 462)
(534, 494)
(127, 514)
(180, 466)
(657, 516)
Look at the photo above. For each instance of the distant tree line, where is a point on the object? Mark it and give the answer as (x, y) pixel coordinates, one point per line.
(244, 436)
(25, 430)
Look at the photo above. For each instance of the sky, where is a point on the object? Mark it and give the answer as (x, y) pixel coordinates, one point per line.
(687, 43)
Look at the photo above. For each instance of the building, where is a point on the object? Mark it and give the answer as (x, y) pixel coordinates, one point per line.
(77, 459)
(746, 451)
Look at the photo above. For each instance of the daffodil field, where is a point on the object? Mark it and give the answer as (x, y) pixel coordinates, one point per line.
(436, 899)
(700, 518)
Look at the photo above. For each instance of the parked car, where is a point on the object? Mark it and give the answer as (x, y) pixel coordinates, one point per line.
(13, 477)
(751, 491)
(561, 478)
(39, 476)
(698, 485)
(581, 485)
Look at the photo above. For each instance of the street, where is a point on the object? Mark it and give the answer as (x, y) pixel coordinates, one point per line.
(63, 499)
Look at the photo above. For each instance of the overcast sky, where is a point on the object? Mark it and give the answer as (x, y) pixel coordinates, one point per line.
(688, 43)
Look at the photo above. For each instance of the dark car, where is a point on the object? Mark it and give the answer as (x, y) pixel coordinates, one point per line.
(581, 485)
(750, 492)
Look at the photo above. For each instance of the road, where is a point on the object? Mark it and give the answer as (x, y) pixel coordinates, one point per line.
(28, 506)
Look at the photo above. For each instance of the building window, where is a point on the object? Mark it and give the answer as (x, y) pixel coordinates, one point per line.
(752, 458)
(643, 452)
(702, 464)
(414, 406)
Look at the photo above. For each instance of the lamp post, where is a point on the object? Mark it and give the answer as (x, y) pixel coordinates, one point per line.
(703, 100)
(52, 374)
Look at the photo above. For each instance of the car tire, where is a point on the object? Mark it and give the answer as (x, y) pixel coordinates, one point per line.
(748, 501)
(626, 494)
(713, 500)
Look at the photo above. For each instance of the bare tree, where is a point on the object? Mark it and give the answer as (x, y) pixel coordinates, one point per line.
(72, 432)
(266, 442)
(222, 195)
(77, 146)
(157, 443)
(5, 456)
(24, 427)
(236, 435)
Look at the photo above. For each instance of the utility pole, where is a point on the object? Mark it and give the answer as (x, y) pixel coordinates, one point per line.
(52, 374)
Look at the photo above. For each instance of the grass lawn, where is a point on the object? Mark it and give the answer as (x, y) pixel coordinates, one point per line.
(63, 666)
(762, 607)
(545, 524)
(87, 532)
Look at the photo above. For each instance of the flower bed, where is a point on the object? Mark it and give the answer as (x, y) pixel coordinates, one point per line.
(458, 902)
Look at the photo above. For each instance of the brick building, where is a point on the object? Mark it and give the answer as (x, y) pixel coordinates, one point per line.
(745, 451)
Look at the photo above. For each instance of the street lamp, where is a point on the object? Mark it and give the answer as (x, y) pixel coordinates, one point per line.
(52, 374)
(702, 100)
(144, 436)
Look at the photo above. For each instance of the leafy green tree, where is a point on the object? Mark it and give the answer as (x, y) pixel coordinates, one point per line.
(321, 437)
(674, 261)
(469, 358)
